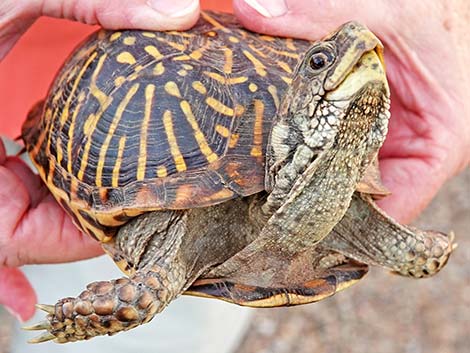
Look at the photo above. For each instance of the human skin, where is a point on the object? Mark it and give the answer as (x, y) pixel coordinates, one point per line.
(428, 142)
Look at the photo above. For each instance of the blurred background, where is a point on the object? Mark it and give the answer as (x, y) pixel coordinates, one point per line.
(383, 313)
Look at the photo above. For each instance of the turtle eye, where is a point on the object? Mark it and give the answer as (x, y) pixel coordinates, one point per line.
(320, 60)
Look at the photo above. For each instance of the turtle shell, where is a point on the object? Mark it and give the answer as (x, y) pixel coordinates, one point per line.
(140, 121)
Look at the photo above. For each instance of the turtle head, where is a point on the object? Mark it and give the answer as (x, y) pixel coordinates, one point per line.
(339, 88)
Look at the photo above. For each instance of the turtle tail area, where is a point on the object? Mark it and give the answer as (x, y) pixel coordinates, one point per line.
(106, 308)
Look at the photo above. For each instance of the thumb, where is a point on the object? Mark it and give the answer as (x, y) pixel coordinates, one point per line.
(307, 19)
(16, 293)
(17, 15)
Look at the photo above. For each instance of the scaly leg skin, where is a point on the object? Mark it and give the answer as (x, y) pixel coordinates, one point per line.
(368, 235)
(107, 307)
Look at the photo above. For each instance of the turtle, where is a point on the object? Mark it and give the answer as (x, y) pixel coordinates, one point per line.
(221, 163)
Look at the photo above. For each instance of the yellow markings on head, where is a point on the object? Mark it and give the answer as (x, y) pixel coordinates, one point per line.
(174, 149)
(117, 164)
(126, 58)
(115, 36)
(290, 44)
(174, 45)
(112, 128)
(159, 69)
(182, 57)
(129, 40)
(259, 67)
(172, 89)
(228, 64)
(214, 22)
(225, 80)
(149, 34)
(199, 87)
(153, 51)
(287, 80)
(161, 171)
(219, 107)
(141, 165)
(233, 39)
(118, 81)
(222, 130)
(252, 87)
(273, 91)
(81, 97)
(256, 150)
(198, 135)
(65, 111)
(233, 140)
(211, 34)
(285, 66)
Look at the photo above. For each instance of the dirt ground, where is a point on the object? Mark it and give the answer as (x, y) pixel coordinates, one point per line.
(384, 313)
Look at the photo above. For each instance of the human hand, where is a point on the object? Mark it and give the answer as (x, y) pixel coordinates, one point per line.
(426, 50)
(33, 227)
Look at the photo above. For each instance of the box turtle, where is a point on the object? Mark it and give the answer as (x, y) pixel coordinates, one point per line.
(223, 163)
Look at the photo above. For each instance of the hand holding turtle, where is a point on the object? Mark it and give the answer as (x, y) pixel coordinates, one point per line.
(426, 50)
(33, 227)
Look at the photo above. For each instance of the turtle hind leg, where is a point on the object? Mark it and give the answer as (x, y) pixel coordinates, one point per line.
(107, 307)
(326, 284)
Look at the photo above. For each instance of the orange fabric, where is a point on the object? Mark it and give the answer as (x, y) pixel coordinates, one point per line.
(27, 71)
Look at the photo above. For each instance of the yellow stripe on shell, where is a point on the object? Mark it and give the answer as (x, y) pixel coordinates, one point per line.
(112, 128)
(117, 164)
(141, 165)
(228, 64)
(73, 118)
(214, 22)
(172, 89)
(126, 58)
(219, 107)
(198, 135)
(153, 51)
(225, 80)
(259, 67)
(222, 130)
(172, 141)
(256, 150)
(199, 87)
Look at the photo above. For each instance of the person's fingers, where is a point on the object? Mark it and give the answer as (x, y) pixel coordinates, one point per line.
(117, 14)
(16, 293)
(308, 19)
(413, 183)
(16, 16)
(33, 227)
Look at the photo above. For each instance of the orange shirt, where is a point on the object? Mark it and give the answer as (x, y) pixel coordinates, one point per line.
(29, 68)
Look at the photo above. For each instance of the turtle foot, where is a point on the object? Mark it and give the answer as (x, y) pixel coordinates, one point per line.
(104, 308)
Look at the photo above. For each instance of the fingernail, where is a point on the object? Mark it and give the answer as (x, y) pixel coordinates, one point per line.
(268, 8)
(174, 8)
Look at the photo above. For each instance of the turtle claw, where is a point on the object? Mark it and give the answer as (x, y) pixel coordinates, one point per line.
(43, 325)
(50, 309)
(46, 336)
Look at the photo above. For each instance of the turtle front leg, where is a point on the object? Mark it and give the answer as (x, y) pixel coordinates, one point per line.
(367, 234)
(108, 307)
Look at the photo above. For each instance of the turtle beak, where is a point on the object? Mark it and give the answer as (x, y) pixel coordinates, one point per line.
(352, 40)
